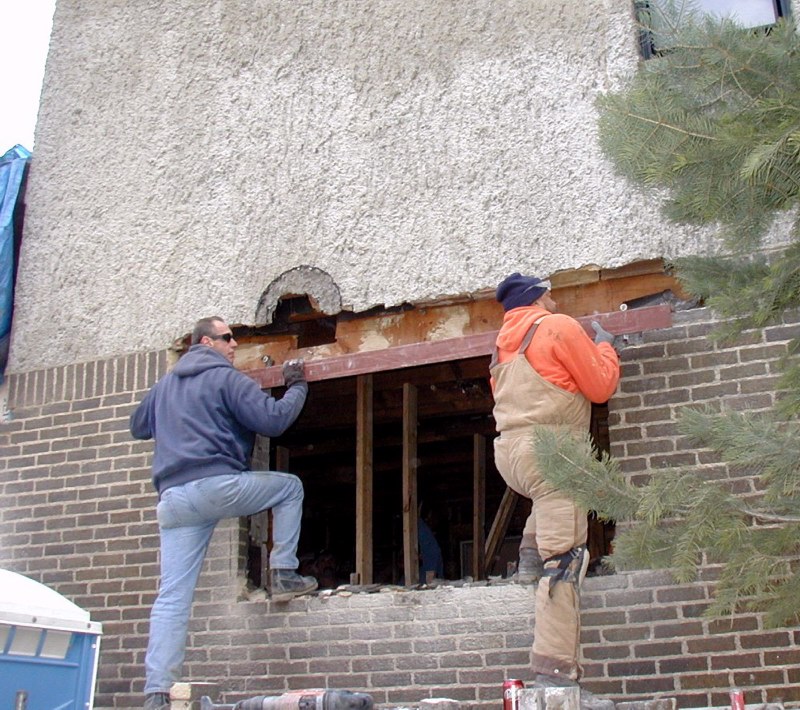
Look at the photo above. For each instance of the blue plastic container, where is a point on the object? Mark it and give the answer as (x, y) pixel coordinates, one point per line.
(48, 648)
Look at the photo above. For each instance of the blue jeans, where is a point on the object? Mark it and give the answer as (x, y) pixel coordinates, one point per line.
(187, 516)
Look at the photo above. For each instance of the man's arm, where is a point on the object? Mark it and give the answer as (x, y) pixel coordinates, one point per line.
(258, 411)
(141, 419)
(593, 367)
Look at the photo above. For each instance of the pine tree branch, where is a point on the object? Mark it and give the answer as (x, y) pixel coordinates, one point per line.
(669, 126)
(715, 121)
(770, 517)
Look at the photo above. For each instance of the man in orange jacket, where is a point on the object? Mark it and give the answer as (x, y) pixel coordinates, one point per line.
(546, 372)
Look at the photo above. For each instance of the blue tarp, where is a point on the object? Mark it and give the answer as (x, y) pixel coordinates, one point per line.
(13, 167)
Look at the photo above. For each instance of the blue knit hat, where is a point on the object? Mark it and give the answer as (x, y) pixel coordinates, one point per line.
(518, 290)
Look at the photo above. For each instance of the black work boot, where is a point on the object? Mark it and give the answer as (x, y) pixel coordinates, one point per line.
(156, 701)
(589, 701)
(569, 566)
(576, 572)
(286, 584)
(529, 570)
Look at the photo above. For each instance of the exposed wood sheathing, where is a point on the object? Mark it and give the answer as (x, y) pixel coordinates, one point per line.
(459, 327)
(428, 352)
(593, 290)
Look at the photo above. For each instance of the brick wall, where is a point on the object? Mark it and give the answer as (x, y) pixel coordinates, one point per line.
(77, 503)
(679, 651)
(78, 514)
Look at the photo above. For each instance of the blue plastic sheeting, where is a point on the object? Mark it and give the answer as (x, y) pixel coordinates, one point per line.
(12, 175)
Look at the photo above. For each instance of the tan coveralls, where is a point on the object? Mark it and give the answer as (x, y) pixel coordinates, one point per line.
(524, 400)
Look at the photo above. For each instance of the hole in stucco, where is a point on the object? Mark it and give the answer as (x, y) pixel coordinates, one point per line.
(319, 289)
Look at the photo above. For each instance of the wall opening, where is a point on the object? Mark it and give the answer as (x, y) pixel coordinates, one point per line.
(454, 407)
(394, 435)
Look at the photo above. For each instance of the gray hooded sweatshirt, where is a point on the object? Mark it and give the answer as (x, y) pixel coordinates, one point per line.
(204, 416)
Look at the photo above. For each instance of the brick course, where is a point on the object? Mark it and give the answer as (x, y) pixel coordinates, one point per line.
(78, 515)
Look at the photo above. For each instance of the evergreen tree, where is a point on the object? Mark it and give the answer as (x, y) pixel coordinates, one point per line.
(713, 123)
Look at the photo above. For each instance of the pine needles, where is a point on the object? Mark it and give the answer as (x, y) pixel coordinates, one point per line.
(682, 522)
(713, 124)
(714, 119)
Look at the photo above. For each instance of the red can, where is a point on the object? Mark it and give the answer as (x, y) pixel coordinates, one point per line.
(511, 688)
(737, 700)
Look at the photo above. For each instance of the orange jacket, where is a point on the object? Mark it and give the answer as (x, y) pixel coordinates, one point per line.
(561, 352)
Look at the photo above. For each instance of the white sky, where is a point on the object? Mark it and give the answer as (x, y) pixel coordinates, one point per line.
(26, 28)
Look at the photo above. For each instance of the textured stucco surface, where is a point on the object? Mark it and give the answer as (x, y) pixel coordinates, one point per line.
(188, 154)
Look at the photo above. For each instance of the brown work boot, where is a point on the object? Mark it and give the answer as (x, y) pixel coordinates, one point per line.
(530, 568)
(286, 584)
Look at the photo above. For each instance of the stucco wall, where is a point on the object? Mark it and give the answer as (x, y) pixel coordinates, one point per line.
(187, 154)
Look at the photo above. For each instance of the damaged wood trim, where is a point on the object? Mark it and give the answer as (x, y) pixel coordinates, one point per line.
(430, 352)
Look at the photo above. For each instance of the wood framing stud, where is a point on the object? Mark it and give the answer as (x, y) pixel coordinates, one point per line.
(364, 441)
(410, 464)
(478, 505)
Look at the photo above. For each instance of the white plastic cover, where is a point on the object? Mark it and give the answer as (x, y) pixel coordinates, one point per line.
(26, 602)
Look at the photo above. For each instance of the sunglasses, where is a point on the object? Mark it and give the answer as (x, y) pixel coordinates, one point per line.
(227, 337)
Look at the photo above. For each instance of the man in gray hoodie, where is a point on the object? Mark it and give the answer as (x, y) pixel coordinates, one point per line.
(204, 416)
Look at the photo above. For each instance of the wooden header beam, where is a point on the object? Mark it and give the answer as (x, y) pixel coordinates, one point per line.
(430, 352)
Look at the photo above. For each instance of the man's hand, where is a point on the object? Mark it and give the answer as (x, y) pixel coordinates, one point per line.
(293, 372)
(602, 336)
